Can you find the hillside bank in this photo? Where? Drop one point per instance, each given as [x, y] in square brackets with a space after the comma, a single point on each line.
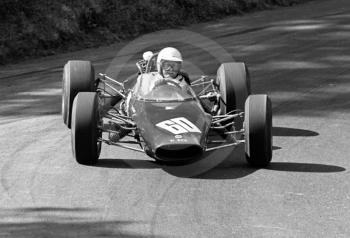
[32, 28]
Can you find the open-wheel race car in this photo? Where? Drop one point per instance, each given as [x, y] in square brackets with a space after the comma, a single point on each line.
[168, 122]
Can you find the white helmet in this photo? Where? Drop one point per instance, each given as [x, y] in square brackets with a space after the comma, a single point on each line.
[168, 53]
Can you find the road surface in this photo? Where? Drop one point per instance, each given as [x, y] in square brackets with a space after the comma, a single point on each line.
[299, 56]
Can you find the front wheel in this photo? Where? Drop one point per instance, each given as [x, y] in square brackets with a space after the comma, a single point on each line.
[258, 130]
[234, 85]
[85, 132]
[78, 76]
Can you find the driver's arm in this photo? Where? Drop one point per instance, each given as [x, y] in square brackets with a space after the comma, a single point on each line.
[159, 82]
[162, 80]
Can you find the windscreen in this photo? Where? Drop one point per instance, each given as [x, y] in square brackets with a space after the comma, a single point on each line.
[145, 89]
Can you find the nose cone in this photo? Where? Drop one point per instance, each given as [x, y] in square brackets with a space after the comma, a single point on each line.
[170, 140]
[168, 146]
[173, 131]
[181, 149]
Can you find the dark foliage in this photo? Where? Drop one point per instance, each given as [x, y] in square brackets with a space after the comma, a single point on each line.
[43, 27]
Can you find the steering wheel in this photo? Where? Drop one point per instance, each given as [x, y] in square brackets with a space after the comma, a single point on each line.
[166, 81]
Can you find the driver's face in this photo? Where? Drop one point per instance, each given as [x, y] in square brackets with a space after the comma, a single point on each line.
[171, 68]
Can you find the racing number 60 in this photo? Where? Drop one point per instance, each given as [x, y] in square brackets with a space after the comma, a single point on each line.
[178, 125]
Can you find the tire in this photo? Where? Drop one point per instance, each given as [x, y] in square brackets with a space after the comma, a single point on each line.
[85, 132]
[78, 76]
[234, 84]
[258, 130]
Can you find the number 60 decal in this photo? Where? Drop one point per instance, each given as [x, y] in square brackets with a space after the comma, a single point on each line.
[178, 125]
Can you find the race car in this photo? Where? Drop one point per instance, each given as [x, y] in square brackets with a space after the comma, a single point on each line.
[168, 122]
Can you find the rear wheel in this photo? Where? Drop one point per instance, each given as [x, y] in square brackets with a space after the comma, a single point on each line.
[85, 132]
[234, 85]
[78, 76]
[258, 130]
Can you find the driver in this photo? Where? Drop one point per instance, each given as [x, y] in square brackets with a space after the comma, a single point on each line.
[169, 63]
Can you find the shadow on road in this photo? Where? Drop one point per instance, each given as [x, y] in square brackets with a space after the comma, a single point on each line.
[232, 167]
[293, 132]
[127, 164]
[37, 222]
[304, 167]
[241, 170]
[220, 164]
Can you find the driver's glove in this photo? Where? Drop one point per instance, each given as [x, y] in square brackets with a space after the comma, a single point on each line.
[159, 82]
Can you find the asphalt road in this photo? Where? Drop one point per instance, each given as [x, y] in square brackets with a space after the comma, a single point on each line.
[300, 56]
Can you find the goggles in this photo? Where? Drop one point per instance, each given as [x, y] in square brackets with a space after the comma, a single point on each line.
[171, 65]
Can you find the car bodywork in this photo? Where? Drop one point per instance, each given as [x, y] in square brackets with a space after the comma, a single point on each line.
[169, 122]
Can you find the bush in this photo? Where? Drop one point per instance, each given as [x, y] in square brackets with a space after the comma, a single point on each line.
[41, 27]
